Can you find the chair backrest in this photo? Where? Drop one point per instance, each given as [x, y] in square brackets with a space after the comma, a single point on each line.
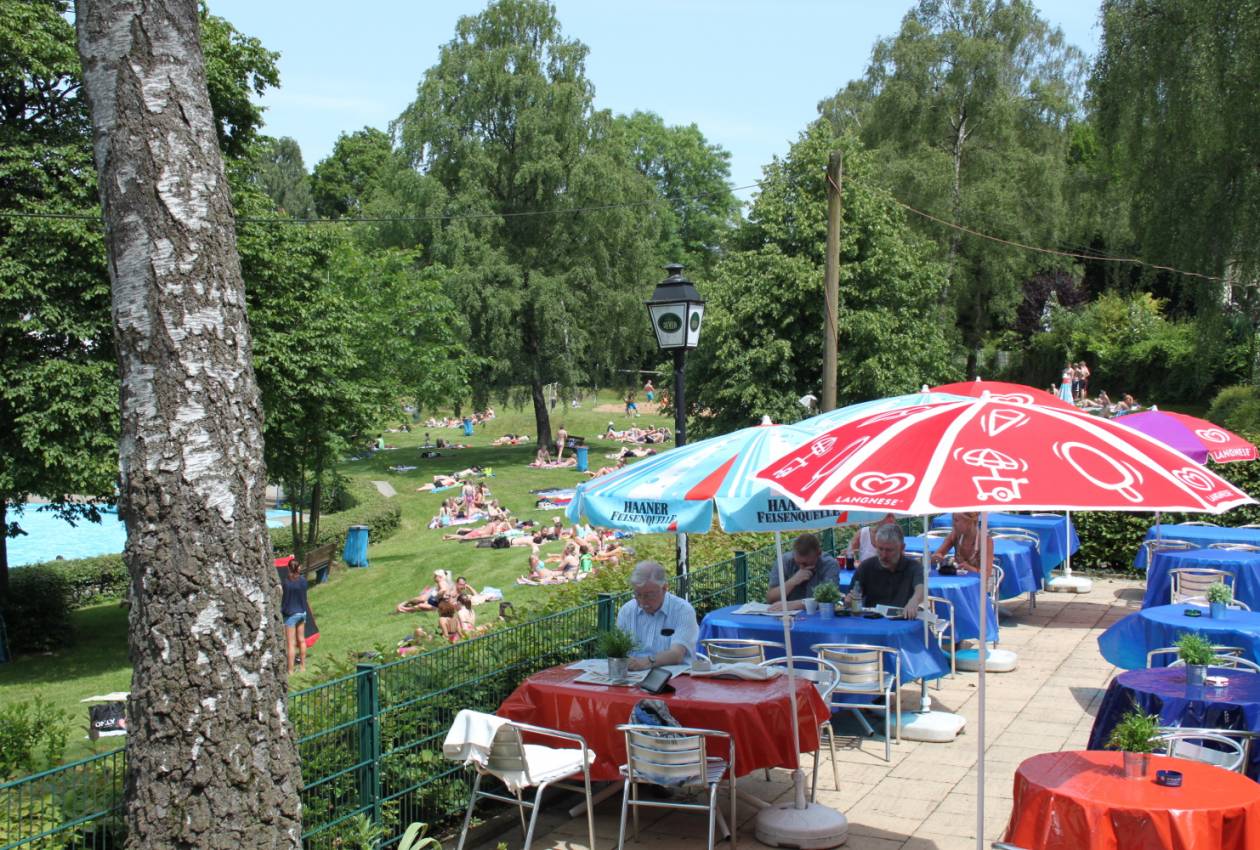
[1167, 544]
[661, 754]
[1249, 525]
[736, 650]
[1200, 522]
[1238, 605]
[937, 533]
[944, 611]
[1235, 547]
[1021, 534]
[996, 574]
[1220, 650]
[1210, 746]
[507, 753]
[824, 674]
[861, 666]
[1186, 582]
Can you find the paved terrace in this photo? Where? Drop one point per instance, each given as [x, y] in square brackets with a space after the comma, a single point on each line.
[925, 799]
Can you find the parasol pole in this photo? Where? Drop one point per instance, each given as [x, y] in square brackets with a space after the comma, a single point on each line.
[984, 651]
[798, 775]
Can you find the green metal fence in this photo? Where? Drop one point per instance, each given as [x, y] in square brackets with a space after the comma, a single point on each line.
[370, 742]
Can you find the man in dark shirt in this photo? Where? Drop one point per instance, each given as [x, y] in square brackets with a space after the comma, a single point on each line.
[804, 570]
[890, 578]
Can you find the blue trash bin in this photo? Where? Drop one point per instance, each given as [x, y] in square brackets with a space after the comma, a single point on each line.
[468, 432]
[581, 458]
[355, 554]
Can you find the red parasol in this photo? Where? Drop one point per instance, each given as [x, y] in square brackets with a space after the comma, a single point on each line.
[1004, 391]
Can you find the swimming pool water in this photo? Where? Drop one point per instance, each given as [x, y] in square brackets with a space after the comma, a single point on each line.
[47, 536]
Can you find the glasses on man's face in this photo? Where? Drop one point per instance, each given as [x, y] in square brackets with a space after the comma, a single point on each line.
[648, 593]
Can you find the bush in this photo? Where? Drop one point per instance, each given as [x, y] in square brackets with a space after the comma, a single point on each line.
[37, 611]
[32, 737]
[1237, 408]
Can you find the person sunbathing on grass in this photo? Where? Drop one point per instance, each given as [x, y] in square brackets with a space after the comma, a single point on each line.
[491, 529]
[429, 598]
[607, 470]
[439, 481]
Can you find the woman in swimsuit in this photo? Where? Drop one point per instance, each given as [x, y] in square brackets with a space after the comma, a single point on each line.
[964, 539]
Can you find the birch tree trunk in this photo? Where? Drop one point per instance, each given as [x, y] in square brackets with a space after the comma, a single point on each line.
[211, 761]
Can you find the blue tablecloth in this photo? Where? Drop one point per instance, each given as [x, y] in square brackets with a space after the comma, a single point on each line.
[1015, 558]
[906, 636]
[1200, 535]
[1163, 691]
[963, 592]
[1243, 566]
[1126, 643]
[1054, 533]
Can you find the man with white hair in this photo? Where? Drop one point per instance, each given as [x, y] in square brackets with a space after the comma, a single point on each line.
[663, 625]
[890, 578]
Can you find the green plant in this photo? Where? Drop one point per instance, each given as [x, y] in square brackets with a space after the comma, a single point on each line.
[1219, 591]
[1194, 649]
[1134, 732]
[363, 834]
[37, 610]
[32, 737]
[614, 643]
[415, 839]
[827, 593]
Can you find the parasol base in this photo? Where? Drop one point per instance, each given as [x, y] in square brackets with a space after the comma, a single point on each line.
[801, 824]
[1069, 584]
[934, 727]
[814, 827]
[995, 661]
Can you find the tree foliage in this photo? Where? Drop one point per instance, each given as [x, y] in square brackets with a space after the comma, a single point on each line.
[343, 183]
[762, 340]
[504, 122]
[279, 173]
[968, 109]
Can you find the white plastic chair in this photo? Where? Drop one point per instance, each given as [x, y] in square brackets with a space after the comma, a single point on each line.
[1219, 747]
[863, 672]
[1186, 583]
[737, 650]
[514, 762]
[675, 756]
[825, 676]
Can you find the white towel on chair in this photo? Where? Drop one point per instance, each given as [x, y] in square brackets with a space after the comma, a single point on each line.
[470, 736]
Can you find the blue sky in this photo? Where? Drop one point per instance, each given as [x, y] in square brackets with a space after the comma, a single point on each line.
[749, 74]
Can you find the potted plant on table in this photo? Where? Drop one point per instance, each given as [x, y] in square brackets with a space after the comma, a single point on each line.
[1134, 736]
[1219, 595]
[827, 595]
[1197, 653]
[616, 645]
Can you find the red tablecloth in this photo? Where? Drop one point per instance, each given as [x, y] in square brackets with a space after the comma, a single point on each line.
[1081, 801]
[757, 714]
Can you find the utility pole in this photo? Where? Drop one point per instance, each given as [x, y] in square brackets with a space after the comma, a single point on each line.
[831, 278]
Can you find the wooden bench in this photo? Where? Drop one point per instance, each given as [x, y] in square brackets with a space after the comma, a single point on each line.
[318, 560]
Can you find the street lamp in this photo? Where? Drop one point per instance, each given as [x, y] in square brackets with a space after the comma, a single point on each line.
[677, 311]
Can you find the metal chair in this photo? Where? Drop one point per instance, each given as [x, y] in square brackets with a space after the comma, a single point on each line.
[1232, 662]
[936, 533]
[1165, 544]
[1021, 534]
[1235, 547]
[825, 677]
[1002, 845]
[1249, 525]
[519, 766]
[1235, 651]
[675, 756]
[996, 574]
[1187, 583]
[944, 629]
[1210, 746]
[862, 671]
[737, 650]
[1200, 522]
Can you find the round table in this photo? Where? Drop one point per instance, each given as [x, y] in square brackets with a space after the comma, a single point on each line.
[1081, 801]
[1200, 535]
[1163, 691]
[918, 661]
[1126, 643]
[963, 592]
[1016, 558]
[756, 714]
[1243, 566]
[1057, 536]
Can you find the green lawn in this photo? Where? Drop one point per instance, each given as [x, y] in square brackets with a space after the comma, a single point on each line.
[355, 609]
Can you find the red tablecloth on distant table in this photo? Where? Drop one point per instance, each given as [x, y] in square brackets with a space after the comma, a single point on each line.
[1081, 801]
[757, 714]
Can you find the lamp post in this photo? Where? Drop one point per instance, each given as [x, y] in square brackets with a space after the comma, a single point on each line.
[677, 311]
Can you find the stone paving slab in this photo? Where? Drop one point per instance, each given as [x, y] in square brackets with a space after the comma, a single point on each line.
[925, 798]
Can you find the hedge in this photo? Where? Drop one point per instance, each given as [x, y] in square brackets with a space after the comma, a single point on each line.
[104, 577]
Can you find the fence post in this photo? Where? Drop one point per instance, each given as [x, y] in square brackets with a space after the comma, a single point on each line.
[369, 705]
[606, 616]
[741, 576]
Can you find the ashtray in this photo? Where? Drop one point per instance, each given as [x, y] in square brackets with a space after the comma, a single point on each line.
[873, 615]
[1170, 778]
[1193, 612]
[843, 612]
[1216, 681]
[947, 570]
